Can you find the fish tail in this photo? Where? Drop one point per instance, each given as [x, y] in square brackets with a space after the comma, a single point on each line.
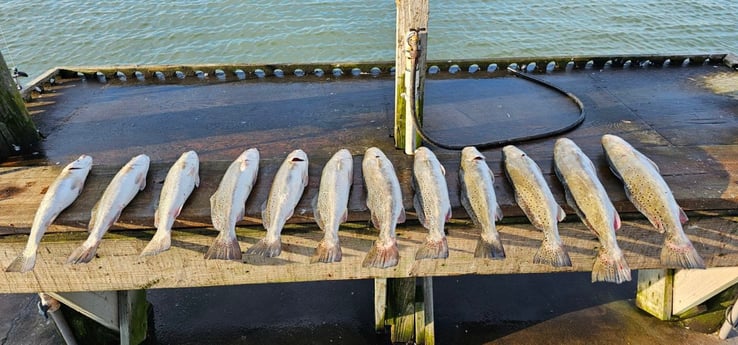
[224, 247]
[327, 252]
[382, 256]
[266, 249]
[433, 250]
[23, 263]
[610, 266]
[83, 254]
[161, 241]
[680, 253]
[489, 249]
[552, 253]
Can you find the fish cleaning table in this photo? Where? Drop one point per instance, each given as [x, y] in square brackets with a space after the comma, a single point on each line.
[684, 118]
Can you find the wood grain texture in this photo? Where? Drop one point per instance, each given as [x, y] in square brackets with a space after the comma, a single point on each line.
[118, 266]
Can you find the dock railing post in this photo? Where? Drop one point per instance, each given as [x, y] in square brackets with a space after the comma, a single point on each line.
[17, 132]
[410, 55]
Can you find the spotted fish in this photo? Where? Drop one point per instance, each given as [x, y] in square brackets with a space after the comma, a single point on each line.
[650, 194]
[586, 195]
[228, 205]
[431, 203]
[330, 205]
[480, 202]
[535, 199]
[181, 180]
[62, 193]
[287, 188]
[384, 200]
[129, 180]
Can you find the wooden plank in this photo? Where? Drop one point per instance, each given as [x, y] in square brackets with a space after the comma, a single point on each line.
[654, 292]
[428, 321]
[401, 309]
[132, 316]
[119, 267]
[712, 168]
[692, 287]
[100, 306]
[380, 304]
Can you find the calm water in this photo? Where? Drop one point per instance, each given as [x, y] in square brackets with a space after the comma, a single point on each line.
[39, 35]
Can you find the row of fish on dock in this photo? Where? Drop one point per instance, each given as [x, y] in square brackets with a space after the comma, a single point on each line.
[584, 193]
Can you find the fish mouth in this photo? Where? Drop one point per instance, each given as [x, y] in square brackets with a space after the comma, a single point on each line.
[478, 158]
[297, 159]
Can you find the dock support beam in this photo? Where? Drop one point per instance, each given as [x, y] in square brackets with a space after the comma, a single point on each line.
[405, 305]
[17, 132]
[123, 311]
[410, 55]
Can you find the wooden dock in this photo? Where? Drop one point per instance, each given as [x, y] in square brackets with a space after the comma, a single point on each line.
[670, 114]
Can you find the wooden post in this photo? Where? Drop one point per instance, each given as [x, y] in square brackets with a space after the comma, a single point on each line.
[412, 15]
[401, 309]
[655, 292]
[407, 308]
[17, 131]
[132, 316]
[380, 304]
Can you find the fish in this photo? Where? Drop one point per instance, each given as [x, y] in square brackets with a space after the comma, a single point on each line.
[431, 203]
[330, 205]
[228, 205]
[650, 194]
[181, 180]
[122, 189]
[384, 201]
[61, 193]
[480, 202]
[535, 199]
[287, 188]
[586, 195]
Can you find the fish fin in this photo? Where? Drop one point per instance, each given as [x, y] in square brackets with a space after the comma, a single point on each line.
[156, 217]
[678, 253]
[491, 174]
[266, 249]
[382, 256]
[433, 250]
[141, 181]
[265, 215]
[83, 254]
[467, 205]
[402, 217]
[304, 180]
[527, 210]
[375, 221]
[612, 166]
[93, 217]
[610, 266]
[561, 215]
[418, 204]
[683, 216]
[327, 253]
[23, 263]
[616, 222]
[344, 216]
[161, 241]
[498, 212]
[491, 249]
[197, 180]
[443, 170]
[316, 212]
[224, 248]
[448, 214]
[552, 253]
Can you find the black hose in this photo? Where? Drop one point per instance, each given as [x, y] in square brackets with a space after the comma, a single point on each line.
[516, 140]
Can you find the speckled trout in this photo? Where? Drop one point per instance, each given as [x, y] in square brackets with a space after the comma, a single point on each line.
[330, 205]
[535, 199]
[384, 200]
[586, 195]
[122, 189]
[181, 180]
[62, 193]
[648, 191]
[287, 188]
[431, 203]
[480, 202]
[228, 205]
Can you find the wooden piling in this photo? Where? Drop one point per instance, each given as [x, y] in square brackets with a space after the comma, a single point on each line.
[411, 15]
[17, 131]
[654, 293]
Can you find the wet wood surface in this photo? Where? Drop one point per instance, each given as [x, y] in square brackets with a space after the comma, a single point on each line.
[689, 131]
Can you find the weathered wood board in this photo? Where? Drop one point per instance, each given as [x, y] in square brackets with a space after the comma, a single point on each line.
[118, 266]
[21, 188]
